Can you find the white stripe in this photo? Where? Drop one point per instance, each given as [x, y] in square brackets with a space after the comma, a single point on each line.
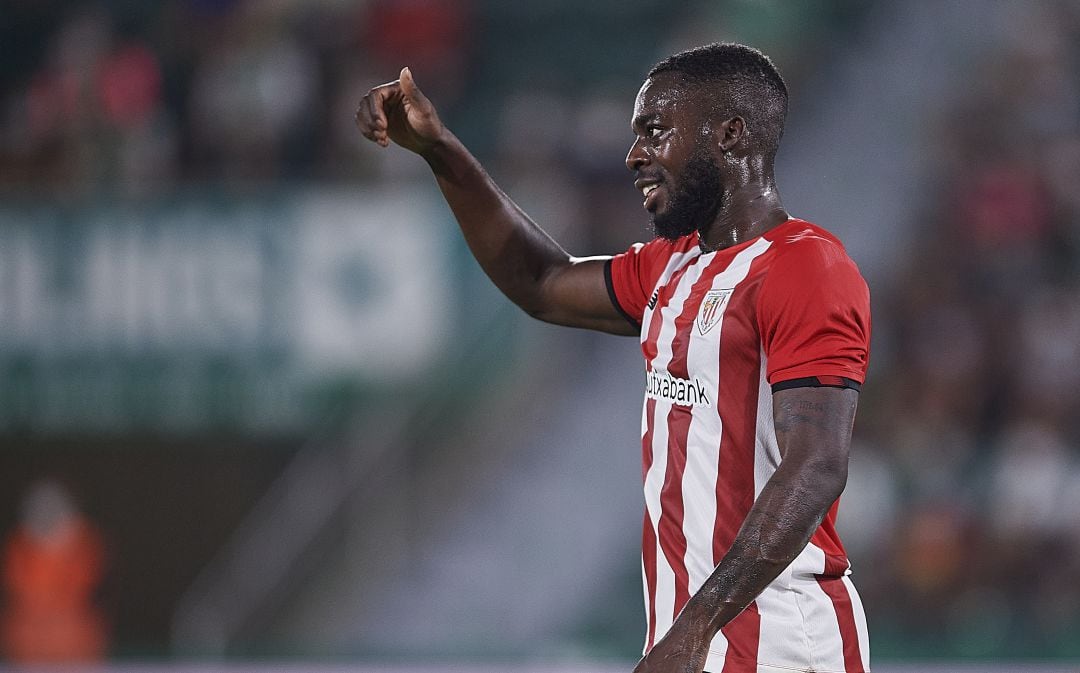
[699, 498]
[809, 562]
[664, 599]
[784, 633]
[783, 639]
[706, 426]
[714, 660]
[648, 600]
[767, 448]
[676, 262]
[703, 442]
[668, 314]
[654, 480]
[820, 621]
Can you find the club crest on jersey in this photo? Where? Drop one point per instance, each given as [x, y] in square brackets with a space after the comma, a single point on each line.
[712, 307]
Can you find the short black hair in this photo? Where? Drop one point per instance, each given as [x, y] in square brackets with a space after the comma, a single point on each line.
[753, 87]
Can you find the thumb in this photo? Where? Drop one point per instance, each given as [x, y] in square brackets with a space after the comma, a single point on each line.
[409, 88]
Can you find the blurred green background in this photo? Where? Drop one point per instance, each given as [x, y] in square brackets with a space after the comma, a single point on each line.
[246, 356]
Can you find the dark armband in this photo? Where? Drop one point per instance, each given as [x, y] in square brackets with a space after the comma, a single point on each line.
[614, 299]
[817, 382]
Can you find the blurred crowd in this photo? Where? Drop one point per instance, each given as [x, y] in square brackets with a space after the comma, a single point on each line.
[136, 97]
[969, 435]
[967, 465]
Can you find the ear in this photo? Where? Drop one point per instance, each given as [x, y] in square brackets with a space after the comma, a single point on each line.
[731, 131]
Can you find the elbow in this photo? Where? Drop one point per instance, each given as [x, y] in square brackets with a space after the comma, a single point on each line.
[822, 477]
[832, 479]
[537, 311]
[528, 297]
[533, 298]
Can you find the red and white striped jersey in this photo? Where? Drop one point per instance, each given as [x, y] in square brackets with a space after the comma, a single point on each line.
[718, 331]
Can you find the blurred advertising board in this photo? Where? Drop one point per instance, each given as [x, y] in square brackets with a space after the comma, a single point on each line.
[205, 312]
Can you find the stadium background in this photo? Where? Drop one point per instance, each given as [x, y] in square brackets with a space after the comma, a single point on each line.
[257, 356]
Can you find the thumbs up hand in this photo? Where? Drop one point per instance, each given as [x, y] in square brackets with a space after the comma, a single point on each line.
[400, 112]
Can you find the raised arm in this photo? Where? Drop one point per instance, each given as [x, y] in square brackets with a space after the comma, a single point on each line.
[813, 430]
[526, 264]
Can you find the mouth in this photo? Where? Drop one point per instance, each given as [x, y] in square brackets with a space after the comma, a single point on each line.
[650, 193]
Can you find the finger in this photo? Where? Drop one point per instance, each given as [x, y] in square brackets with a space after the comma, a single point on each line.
[378, 119]
[364, 120]
[371, 113]
[377, 101]
[409, 89]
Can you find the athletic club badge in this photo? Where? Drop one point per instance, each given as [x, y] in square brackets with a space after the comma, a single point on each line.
[712, 307]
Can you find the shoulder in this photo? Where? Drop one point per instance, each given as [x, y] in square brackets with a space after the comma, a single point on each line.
[655, 255]
[803, 246]
[633, 275]
[662, 247]
[810, 265]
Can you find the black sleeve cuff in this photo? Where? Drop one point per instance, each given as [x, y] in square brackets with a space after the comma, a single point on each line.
[615, 300]
[817, 382]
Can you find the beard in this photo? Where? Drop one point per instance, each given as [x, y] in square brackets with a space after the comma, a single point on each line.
[695, 203]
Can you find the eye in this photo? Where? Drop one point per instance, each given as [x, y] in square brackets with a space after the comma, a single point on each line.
[654, 131]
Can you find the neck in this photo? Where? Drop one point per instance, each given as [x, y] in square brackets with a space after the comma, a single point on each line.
[745, 213]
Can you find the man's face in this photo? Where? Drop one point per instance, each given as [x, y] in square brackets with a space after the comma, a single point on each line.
[677, 172]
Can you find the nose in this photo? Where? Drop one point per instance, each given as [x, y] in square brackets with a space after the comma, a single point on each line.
[637, 157]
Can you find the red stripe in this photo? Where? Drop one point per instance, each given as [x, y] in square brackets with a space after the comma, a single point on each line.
[648, 536]
[648, 561]
[845, 618]
[835, 566]
[672, 537]
[739, 381]
[743, 634]
[648, 346]
[647, 438]
[737, 403]
[826, 538]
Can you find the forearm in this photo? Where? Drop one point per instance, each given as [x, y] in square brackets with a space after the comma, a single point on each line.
[512, 250]
[778, 527]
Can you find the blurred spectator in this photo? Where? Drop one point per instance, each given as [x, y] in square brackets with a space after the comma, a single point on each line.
[431, 36]
[52, 565]
[92, 115]
[1033, 472]
[253, 98]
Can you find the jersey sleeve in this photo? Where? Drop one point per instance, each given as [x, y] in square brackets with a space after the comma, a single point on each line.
[814, 316]
[632, 276]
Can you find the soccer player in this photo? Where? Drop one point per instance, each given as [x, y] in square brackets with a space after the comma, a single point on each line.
[755, 328]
